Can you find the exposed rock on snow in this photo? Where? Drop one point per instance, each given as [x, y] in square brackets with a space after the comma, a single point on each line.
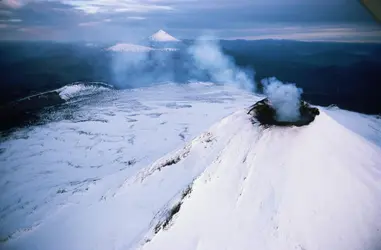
[169, 215]
[265, 114]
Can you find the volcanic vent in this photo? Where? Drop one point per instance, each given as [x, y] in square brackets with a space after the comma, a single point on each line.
[283, 105]
[264, 113]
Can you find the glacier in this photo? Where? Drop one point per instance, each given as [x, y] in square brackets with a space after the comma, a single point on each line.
[183, 167]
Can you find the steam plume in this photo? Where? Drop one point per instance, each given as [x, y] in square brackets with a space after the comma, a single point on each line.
[208, 56]
[142, 69]
[284, 98]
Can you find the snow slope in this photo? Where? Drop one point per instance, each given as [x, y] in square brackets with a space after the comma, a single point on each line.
[162, 36]
[63, 183]
[314, 187]
[101, 177]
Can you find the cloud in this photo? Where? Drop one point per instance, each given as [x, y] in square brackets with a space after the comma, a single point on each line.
[136, 17]
[13, 4]
[94, 23]
[37, 31]
[349, 33]
[118, 6]
[87, 24]
[5, 13]
[119, 19]
[12, 20]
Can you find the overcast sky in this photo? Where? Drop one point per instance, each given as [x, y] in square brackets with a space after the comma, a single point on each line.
[127, 20]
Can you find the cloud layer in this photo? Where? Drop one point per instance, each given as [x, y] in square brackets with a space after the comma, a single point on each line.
[127, 19]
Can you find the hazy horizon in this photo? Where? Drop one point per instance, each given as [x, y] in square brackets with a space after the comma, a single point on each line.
[131, 20]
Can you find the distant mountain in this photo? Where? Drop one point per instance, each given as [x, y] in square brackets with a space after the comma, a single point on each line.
[162, 36]
[160, 41]
[128, 47]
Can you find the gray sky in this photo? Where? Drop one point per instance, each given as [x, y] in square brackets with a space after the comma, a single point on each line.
[128, 20]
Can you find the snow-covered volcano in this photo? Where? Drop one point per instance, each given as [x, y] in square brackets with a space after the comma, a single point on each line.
[316, 187]
[146, 168]
[162, 36]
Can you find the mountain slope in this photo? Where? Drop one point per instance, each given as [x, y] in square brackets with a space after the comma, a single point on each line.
[100, 176]
[77, 179]
[314, 187]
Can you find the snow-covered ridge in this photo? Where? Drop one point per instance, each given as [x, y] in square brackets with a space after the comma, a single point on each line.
[59, 96]
[162, 36]
[81, 89]
[127, 47]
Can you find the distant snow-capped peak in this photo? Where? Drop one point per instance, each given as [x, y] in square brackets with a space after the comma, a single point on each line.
[128, 47]
[162, 36]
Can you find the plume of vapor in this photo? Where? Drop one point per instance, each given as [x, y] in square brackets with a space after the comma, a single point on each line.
[132, 70]
[209, 57]
[202, 61]
[125, 68]
[284, 97]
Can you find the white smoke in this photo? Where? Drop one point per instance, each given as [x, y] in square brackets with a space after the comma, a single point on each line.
[209, 57]
[140, 69]
[126, 68]
[284, 98]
